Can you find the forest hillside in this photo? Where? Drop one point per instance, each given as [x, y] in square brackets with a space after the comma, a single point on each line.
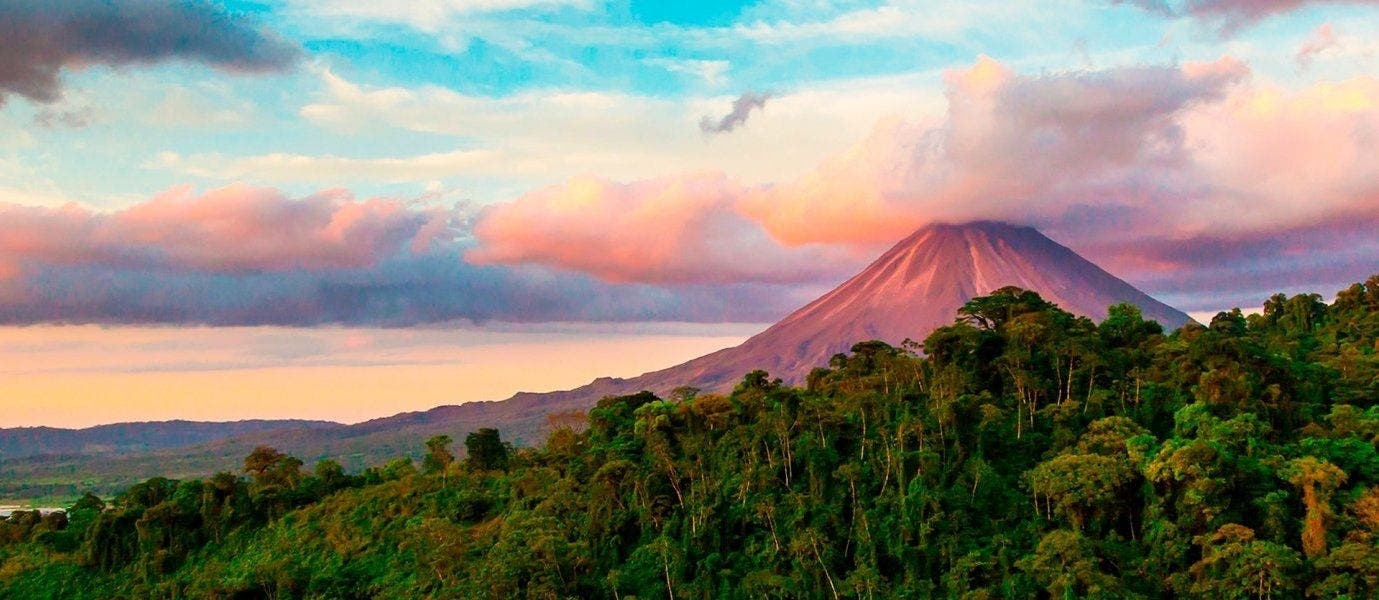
[1021, 451]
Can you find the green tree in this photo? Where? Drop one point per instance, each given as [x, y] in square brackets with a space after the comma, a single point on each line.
[438, 456]
[1067, 565]
[486, 450]
[1236, 565]
[1318, 480]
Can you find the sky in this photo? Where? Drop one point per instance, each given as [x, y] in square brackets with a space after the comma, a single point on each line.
[346, 208]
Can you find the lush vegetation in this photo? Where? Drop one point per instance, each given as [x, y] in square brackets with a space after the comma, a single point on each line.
[1024, 452]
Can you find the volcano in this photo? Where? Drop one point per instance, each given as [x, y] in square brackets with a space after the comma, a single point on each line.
[916, 287]
[912, 289]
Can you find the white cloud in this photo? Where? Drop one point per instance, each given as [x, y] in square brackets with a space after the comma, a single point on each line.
[711, 72]
[201, 105]
[20, 184]
[429, 16]
[542, 137]
[325, 169]
[32, 197]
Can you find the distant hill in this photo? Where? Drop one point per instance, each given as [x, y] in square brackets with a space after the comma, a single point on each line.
[912, 289]
[23, 442]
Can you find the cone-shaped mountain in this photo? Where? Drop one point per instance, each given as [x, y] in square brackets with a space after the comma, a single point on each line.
[915, 287]
[912, 289]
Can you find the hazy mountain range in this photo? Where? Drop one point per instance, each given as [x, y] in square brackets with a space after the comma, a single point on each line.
[135, 437]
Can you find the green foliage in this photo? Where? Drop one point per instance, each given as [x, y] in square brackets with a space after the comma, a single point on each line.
[438, 456]
[1027, 453]
[486, 450]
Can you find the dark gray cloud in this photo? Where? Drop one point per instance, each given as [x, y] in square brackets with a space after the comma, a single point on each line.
[41, 38]
[742, 108]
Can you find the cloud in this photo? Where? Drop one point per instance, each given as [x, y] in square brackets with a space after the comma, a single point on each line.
[544, 136]
[1230, 16]
[1272, 156]
[1233, 15]
[401, 291]
[1113, 163]
[75, 118]
[673, 230]
[1011, 146]
[405, 290]
[1323, 39]
[429, 16]
[236, 229]
[737, 117]
[890, 21]
[253, 256]
[1164, 174]
[1161, 174]
[1242, 268]
[1160, 7]
[711, 72]
[284, 167]
[44, 38]
[1270, 187]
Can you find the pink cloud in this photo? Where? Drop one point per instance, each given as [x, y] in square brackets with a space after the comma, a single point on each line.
[1230, 16]
[672, 230]
[1271, 156]
[61, 235]
[1196, 159]
[1233, 15]
[1280, 185]
[1322, 40]
[227, 230]
[1013, 147]
[252, 256]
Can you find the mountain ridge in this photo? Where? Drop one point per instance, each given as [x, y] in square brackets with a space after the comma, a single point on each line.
[20, 442]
